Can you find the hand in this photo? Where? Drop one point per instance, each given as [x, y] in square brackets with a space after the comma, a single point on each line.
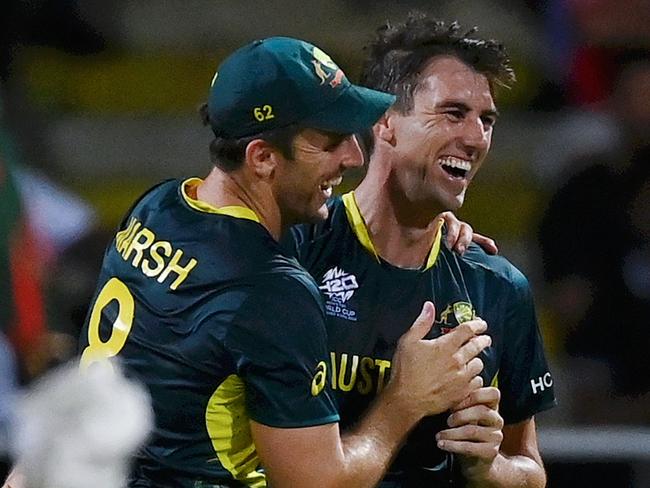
[460, 234]
[430, 376]
[475, 432]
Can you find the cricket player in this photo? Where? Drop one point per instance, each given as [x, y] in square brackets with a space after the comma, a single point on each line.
[378, 256]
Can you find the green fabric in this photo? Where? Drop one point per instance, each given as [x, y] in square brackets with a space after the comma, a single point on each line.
[279, 81]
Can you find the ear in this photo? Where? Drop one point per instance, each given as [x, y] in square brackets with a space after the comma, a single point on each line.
[262, 158]
[383, 128]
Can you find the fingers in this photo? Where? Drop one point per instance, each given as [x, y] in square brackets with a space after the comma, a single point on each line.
[422, 324]
[459, 234]
[482, 450]
[464, 238]
[465, 331]
[488, 396]
[472, 433]
[488, 245]
[481, 415]
[452, 225]
[475, 431]
[476, 381]
[473, 347]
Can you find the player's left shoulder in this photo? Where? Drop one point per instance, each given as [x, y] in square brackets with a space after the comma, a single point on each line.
[496, 266]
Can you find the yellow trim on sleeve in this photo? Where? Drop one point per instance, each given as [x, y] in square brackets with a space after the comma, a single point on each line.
[495, 380]
[229, 429]
[231, 210]
[360, 229]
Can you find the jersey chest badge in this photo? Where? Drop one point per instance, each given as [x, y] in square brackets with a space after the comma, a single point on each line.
[337, 288]
[455, 314]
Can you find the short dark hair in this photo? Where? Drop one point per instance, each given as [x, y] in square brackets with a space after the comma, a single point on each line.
[228, 153]
[399, 53]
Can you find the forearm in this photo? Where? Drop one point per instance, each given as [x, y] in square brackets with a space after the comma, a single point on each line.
[508, 472]
[322, 456]
[370, 447]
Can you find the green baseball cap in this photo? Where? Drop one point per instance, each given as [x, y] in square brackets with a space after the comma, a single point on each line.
[279, 81]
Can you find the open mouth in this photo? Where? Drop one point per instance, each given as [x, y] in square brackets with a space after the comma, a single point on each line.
[327, 186]
[455, 167]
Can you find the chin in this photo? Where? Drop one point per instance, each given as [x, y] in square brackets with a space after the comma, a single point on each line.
[438, 204]
[455, 202]
[322, 213]
[317, 215]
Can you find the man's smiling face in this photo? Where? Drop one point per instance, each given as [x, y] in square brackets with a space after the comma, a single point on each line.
[442, 142]
[304, 183]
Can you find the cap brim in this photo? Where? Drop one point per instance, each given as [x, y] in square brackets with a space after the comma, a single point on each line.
[355, 110]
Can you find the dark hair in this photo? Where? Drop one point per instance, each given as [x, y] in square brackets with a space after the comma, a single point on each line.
[228, 153]
[399, 53]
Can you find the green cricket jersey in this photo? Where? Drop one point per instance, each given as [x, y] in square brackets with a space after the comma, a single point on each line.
[369, 304]
[201, 306]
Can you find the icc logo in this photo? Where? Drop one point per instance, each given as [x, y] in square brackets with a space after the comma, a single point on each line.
[338, 285]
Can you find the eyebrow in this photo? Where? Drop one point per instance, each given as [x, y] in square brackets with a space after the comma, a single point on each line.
[466, 108]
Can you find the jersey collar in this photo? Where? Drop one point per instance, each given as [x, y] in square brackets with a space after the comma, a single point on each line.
[360, 229]
[231, 210]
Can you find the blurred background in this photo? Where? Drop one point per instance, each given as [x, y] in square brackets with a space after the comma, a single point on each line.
[98, 101]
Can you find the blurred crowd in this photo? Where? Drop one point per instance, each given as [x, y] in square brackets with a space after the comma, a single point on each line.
[590, 262]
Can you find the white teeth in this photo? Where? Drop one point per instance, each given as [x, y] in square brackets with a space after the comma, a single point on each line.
[333, 182]
[456, 163]
[327, 191]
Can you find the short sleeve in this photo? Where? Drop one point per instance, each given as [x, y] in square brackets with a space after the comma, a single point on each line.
[524, 379]
[278, 342]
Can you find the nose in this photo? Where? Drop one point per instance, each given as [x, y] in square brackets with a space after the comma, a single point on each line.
[351, 154]
[477, 135]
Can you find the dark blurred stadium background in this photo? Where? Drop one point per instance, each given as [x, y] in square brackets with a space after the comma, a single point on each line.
[99, 102]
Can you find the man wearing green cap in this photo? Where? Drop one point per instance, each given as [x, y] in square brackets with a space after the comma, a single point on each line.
[197, 301]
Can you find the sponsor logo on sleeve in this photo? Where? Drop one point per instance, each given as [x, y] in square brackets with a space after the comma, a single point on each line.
[541, 383]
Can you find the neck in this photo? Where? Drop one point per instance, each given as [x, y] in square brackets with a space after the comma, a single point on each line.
[236, 188]
[401, 231]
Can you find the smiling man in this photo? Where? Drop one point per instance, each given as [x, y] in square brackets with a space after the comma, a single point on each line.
[444, 138]
[379, 255]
